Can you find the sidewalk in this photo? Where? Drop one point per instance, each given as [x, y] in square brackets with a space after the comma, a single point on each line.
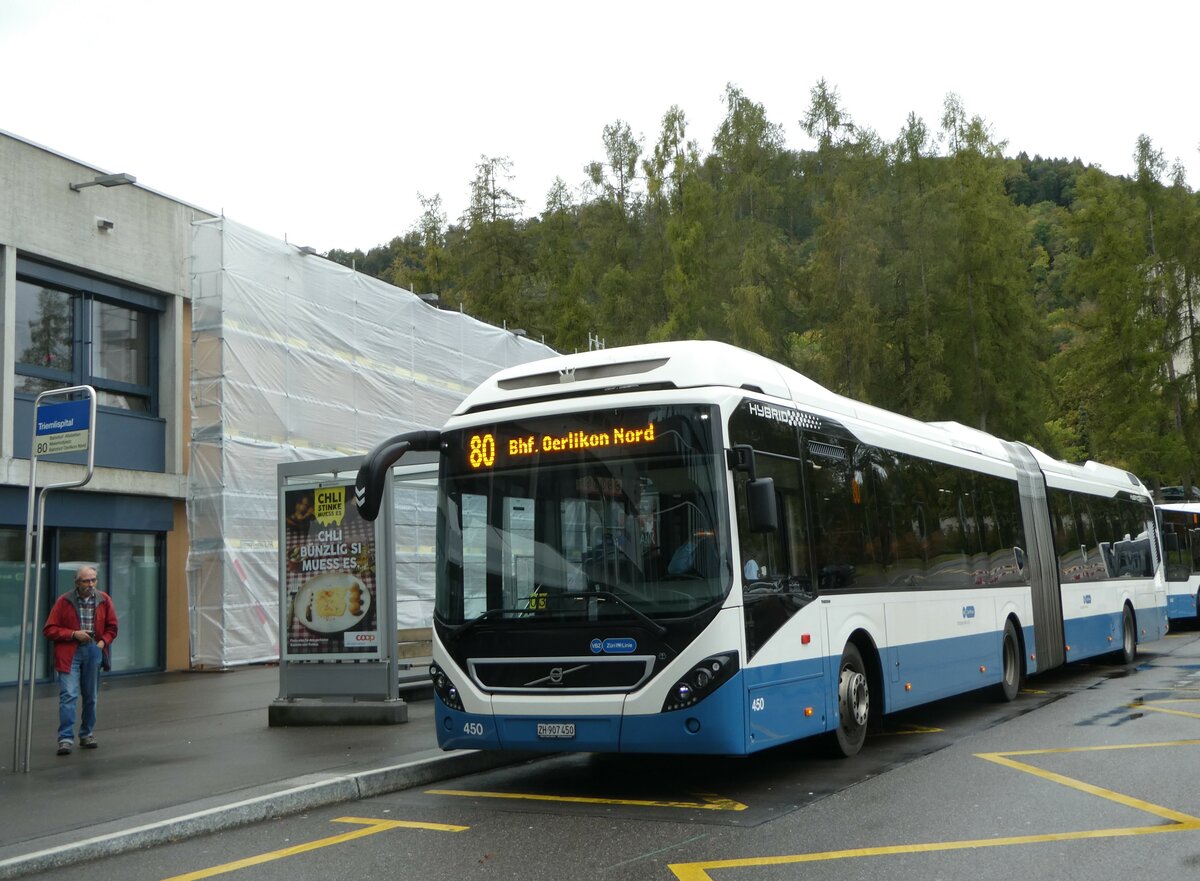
[184, 754]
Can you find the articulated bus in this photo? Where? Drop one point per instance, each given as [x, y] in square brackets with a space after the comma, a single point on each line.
[688, 548]
[1179, 524]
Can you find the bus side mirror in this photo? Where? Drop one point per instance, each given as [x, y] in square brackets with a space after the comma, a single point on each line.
[760, 499]
[760, 491]
[377, 465]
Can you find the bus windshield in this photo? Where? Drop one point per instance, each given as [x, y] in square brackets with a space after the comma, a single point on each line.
[602, 515]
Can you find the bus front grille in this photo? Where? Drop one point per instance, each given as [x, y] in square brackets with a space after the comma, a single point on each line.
[583, 674]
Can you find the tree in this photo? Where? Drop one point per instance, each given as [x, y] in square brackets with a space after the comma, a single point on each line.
[561, 283]
[610, 224]
[1111, 372]
[673, 161]
[839, 340]
[670, 161]
[614, 179]
[424, 265]
[998, 335]
[492, 256]
[825, 120]
[748, 146]
[1169, 229]
[692, 310]
[752, 266]
[913, 366]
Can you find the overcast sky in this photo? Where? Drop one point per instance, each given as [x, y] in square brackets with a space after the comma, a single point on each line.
[322, 121]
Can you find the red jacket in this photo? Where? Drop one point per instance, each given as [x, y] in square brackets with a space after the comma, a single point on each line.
[64, 621]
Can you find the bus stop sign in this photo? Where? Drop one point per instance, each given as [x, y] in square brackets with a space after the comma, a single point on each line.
[61, 428]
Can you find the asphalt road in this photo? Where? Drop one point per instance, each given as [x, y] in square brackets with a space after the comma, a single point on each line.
[1091, 774]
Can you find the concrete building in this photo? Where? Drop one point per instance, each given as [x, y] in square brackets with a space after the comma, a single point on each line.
[209, 346]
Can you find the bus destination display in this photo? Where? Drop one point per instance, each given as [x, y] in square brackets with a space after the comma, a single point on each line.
[492, 449]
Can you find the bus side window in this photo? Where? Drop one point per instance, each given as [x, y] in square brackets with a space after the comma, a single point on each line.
[839, 521]
[948, 560]
[1175, 546]
[782, 552]
[1073, 555]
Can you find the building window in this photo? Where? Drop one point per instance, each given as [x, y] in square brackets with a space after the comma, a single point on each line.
[130, 567]
[66, 338]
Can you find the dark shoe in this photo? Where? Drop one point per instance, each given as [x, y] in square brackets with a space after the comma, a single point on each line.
[88, 742]
[64, 747]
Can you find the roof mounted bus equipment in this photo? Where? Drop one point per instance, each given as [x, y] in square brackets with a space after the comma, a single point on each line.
[368, 485]
[760, 491]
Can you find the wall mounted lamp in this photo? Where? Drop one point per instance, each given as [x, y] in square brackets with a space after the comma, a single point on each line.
[106, 180]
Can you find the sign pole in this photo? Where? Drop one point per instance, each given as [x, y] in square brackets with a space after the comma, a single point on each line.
[64, 427]
[26, 620]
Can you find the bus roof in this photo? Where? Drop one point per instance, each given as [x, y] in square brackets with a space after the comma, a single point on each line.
[1186, 507]
[685, 364]
[707, 363]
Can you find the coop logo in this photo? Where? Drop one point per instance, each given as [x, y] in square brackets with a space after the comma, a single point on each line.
[359, 640]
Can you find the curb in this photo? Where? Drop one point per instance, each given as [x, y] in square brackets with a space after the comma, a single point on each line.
[241, 808]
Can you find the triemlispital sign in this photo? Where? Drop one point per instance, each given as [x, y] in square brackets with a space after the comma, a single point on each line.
[61, 428]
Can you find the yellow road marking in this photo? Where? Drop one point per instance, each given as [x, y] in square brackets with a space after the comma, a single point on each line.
[1154, 706]
[371, 827]
[909, 729]
[1033, 691]
[1127, 800]
[711, 802]
[1179, 822]
[699, 871]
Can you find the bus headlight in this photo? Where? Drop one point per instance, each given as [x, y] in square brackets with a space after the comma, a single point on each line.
[445, 689]
[701, 681]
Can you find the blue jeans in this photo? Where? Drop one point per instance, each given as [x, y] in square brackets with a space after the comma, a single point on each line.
[84, 679]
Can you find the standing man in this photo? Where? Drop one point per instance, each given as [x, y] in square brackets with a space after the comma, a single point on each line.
[82, 625]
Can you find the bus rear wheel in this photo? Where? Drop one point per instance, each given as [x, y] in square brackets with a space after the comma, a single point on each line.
[1128, 650]
[854, 703]
[1011, 667]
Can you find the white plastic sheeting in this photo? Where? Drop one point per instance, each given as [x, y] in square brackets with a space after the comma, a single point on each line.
[296, 358]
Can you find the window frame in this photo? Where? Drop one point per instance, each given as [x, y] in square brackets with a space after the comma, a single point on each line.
[83, 293]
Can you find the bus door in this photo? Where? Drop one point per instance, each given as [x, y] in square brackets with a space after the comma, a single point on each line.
[1041, 564]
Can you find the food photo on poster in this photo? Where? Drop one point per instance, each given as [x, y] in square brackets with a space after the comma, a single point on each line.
[331, 589]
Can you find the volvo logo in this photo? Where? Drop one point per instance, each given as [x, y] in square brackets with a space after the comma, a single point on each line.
[555, 676]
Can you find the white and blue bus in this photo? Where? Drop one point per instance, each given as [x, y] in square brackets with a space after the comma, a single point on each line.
[1179, 524]
[688, 548]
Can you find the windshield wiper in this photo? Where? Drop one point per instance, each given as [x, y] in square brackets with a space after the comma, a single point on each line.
[638, 613]
[479, 619]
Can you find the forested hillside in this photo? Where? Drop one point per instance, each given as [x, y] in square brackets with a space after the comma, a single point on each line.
[1039, 299]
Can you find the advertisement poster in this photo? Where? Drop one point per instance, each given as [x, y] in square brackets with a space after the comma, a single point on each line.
[330, 597]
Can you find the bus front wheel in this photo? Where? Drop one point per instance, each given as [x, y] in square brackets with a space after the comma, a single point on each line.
[854, 703]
